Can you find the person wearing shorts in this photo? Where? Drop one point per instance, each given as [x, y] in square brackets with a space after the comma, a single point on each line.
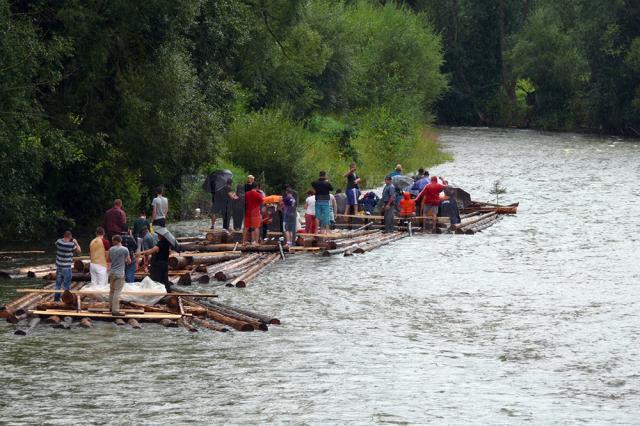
[431, 201]
[252, 219]
[323, 188]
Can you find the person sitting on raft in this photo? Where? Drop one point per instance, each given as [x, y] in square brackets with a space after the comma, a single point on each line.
[407, 206]
[430, 197]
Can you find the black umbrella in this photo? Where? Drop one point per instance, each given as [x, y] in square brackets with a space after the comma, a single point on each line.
[216, 180]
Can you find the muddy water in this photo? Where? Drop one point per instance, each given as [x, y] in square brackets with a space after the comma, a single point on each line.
[535, 320]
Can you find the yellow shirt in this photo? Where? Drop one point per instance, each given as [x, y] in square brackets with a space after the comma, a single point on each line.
[97, 252]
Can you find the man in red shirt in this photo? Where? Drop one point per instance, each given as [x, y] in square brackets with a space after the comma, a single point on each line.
[252, 220]
[430, 197]
[114, 219]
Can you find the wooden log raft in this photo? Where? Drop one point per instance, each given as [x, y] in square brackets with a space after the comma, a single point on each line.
[223, 319]
[382, 241]
[252, 272]
[184, 260]
[264, 318]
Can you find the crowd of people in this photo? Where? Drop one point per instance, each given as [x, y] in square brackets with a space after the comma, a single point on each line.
[402, 196]
[118, 251]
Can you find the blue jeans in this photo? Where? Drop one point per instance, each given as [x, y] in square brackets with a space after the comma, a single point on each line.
[130, 272]
[62, 274]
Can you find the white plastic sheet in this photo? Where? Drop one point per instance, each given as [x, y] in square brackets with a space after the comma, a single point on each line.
[146, 285]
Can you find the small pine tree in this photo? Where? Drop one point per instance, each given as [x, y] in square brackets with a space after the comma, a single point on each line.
[498, 190]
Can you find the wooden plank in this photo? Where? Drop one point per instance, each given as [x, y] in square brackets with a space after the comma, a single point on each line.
[294, 249]
[22, 252]
[124, 293]
[150, 315]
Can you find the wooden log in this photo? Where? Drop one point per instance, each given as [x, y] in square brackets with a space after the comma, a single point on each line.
[184, 324]
[53, 319]
[107, 315]
[81, 265]
[477, 227]
[223, 319]
[181, 262]
[33, 322]
[202, 247]
[465, 223]
[65, 324]
[85, 322]
[219, 272]
[169, 323]
[381, 242]
[134, 323]
[185, 279]
[189, 239]
[232, 274]
[257, 324]
[252, 272]
[264, 318]
[208, 324]
[218, 236]
[120, 322]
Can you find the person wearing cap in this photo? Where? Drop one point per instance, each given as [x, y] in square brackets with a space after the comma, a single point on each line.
[397, 171]
[159, 267]
[388, 204]
[249, 184]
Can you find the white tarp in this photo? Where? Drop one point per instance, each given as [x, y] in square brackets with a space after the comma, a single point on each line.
[146, 285]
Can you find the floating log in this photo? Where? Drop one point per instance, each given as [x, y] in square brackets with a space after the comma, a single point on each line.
[134, 323]
[465, 223]
[33, 322]
[256, 323]
[208, 324]
[479, 226]
[252, 272]
[379, 243]
[86, 322]
[120, 322]
[168, 323]
[184, 324]
[53, 319]
[223, 319]
[264, 318]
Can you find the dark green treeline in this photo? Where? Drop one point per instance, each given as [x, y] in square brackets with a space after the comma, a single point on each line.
[110, 98]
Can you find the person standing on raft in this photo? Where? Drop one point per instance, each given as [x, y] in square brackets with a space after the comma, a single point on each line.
[430, 197]
[65, 247]
[114, 219]
[160, 208]
[119, 257]
[252, 219]
[323, 188]
[352, 191]
[388, 200]
[159, 267]
[98, 254]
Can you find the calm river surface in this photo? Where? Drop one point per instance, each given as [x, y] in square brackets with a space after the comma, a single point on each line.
[535, 320]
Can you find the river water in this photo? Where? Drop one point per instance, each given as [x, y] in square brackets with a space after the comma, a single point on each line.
[535, 320]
